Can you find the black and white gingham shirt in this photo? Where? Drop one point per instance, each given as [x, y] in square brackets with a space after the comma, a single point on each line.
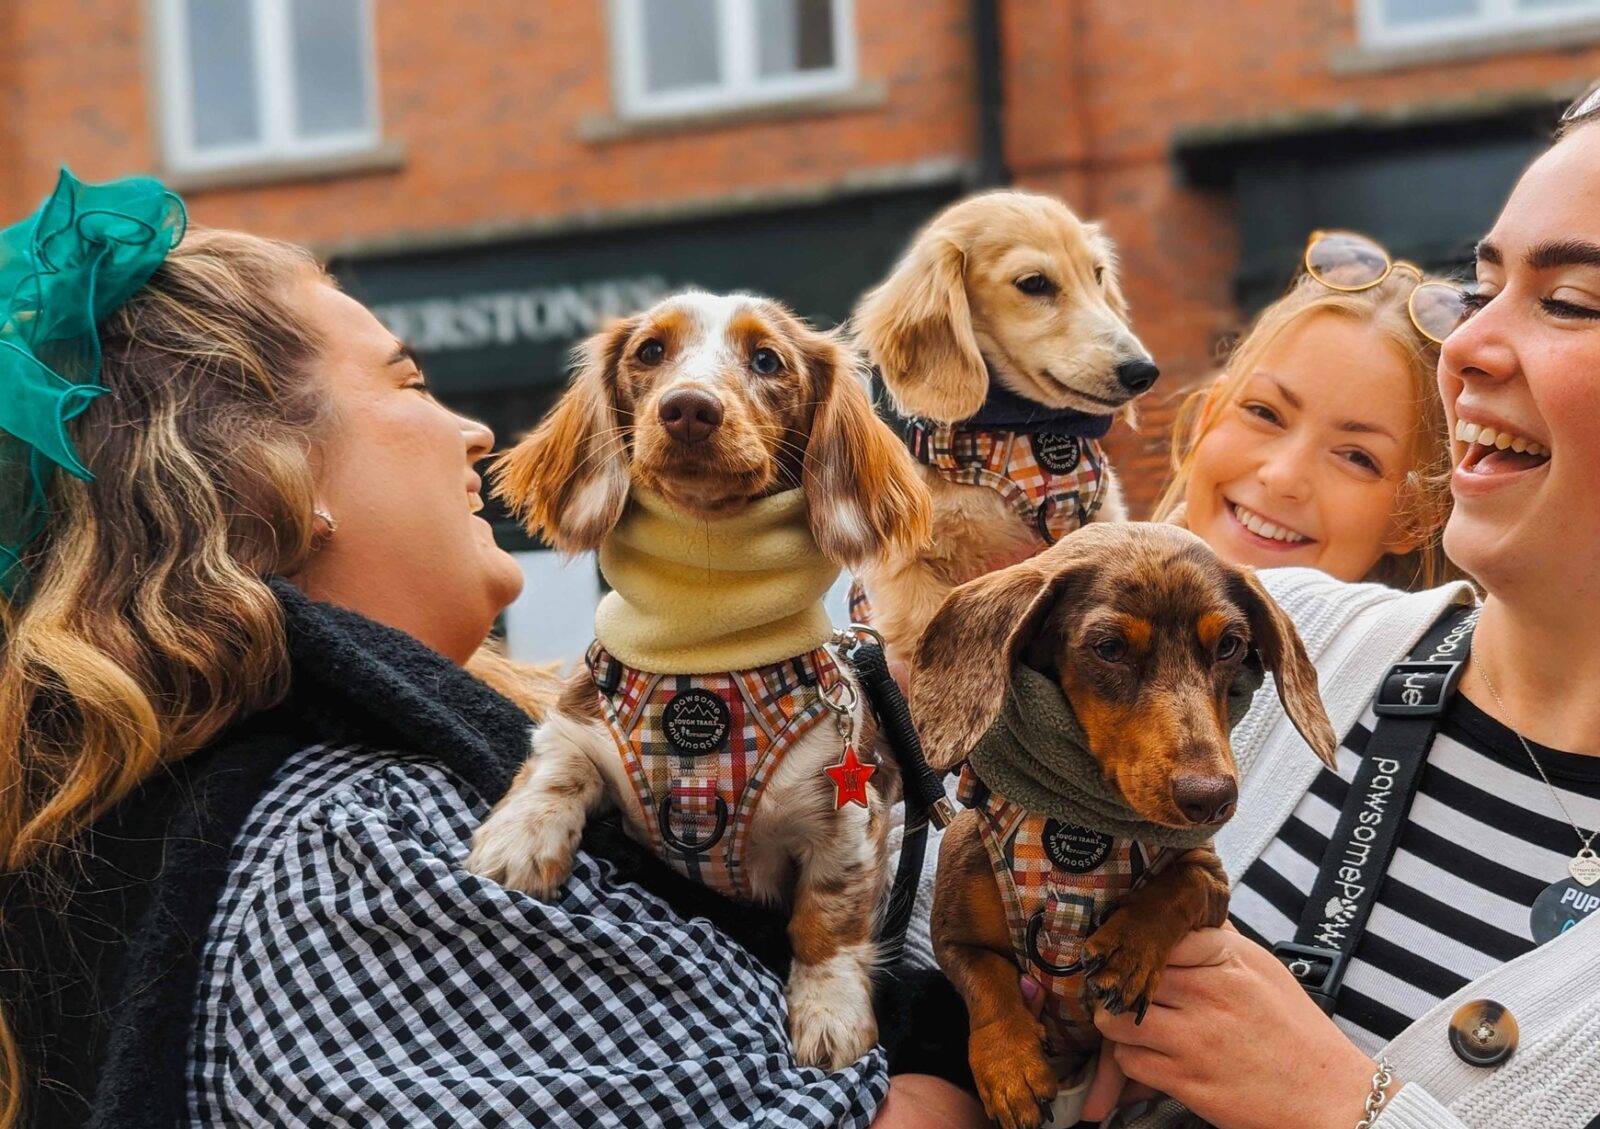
[355, 974]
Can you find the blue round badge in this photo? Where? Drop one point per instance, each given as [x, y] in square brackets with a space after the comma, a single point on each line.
[1562, 905]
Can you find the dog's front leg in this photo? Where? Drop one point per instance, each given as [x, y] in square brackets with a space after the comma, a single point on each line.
[528, 841]
[1124, 958]
[972, 943]
[840, 881]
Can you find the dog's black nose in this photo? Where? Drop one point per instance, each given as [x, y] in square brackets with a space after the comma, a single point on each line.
[1205, 799]
[689, 415]
[1137, 376]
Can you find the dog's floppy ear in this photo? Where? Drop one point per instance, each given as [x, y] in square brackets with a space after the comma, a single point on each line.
[916, 326]
[964, 658]
[1105, 252]
[1277, 644]
[1111, 281]
[569, 479]
[865, 499]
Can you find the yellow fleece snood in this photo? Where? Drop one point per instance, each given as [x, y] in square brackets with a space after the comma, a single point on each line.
[692, 596]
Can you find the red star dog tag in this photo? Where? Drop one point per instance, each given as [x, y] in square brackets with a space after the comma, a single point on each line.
[850, 776]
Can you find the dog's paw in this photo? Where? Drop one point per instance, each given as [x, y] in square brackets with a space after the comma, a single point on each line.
[522, 851]
[831, 1023]
[1014, 1080]
[1122, 964]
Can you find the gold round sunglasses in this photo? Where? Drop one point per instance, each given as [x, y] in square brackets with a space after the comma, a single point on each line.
[1349, 262]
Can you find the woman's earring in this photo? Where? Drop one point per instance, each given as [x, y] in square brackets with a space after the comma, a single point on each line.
[327, 519]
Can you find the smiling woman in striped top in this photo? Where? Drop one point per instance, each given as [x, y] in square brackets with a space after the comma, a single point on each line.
[1460, 975]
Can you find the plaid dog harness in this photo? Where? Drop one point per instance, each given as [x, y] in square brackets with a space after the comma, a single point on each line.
[1055, 483]
[700, 749]
[1058, 882]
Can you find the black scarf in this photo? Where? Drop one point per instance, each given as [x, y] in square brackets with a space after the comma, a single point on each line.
[101, 963]
[1004, 410]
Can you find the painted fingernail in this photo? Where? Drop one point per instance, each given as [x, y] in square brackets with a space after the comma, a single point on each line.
[1030, 990]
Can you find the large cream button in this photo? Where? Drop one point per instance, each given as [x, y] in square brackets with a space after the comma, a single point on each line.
[1483, 1033]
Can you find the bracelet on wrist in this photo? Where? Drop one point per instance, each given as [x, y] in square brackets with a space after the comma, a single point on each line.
[1379, 1094]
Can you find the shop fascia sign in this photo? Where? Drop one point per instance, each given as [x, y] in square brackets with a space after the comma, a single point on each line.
[500, 318]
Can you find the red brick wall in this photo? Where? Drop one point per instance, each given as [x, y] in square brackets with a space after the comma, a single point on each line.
[1096, 89]
[486, 97]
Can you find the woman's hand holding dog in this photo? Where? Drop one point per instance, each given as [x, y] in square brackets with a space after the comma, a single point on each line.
[1232, 1035]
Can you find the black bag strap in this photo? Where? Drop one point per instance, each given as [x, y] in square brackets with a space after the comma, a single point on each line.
[1410, 701]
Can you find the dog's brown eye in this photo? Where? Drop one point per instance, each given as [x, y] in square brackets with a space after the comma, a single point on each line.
[1099, 275]
[651, 352]
[1035, 284]
[1228, 647]
[766, 362]
[1111, 650]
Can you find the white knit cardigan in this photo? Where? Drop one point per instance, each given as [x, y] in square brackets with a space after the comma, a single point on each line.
[1353, 633]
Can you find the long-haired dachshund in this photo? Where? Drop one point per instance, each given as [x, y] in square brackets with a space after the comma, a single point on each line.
[1004, 335]
[1144, 630]
[725, 460]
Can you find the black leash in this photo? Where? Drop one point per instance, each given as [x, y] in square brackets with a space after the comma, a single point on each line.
[862, 648]
[1410, 703]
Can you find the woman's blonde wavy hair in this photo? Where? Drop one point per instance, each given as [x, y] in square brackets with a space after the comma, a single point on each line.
[147, 627]
[1424, 497]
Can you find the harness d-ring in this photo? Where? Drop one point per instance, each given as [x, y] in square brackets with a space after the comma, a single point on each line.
[1041, 519]
[677, 844]
[1047, 510]
[1035, 925]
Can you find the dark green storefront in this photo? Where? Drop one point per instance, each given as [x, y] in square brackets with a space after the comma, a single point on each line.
[1426, 181]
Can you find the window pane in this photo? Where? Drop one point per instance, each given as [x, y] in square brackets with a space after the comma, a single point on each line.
[679, 43]
[222, 73]
[1406, 13]
[1560, 5]
[794, 36]
[330, 67]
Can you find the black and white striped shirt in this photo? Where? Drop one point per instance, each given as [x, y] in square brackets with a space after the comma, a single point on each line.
[356, 974]
[1484, 838]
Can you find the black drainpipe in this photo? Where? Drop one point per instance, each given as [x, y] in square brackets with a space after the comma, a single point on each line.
[991, 171]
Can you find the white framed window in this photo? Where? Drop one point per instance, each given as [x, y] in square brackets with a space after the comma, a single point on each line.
[1404, 23]
[684, 56]
[251, 81]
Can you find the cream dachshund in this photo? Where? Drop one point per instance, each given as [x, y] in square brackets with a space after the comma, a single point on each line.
[1003, 336]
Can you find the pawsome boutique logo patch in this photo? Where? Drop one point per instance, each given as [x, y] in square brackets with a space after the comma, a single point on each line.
[1077, 850]
[696, 721]
[1058, 454]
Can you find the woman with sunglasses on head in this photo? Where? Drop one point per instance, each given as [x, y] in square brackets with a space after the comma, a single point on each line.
[244, 591]
[1415, 938]
[1322, 443]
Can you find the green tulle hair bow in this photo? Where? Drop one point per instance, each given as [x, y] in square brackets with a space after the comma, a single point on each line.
[86, 251]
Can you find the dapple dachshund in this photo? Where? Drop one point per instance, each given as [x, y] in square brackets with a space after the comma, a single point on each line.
[687, 425]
